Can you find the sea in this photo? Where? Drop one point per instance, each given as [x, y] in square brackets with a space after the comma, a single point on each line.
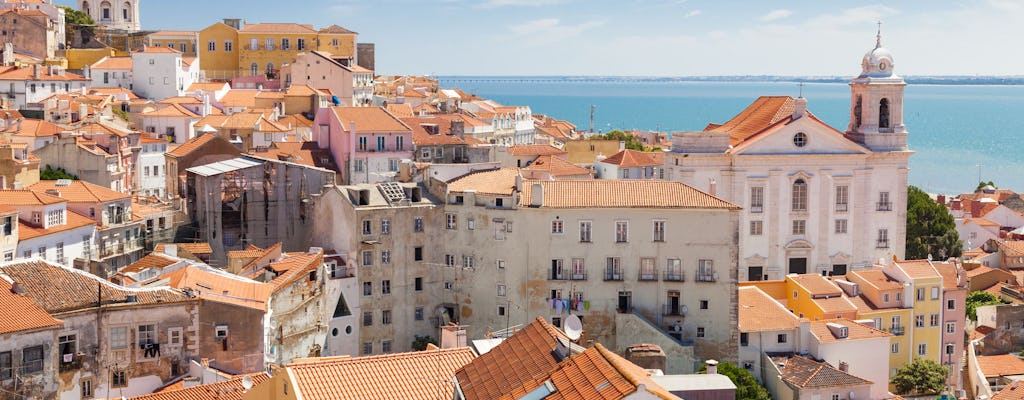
[961, 133]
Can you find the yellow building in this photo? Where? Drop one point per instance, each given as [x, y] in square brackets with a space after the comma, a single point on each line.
[266, 46]
[218, 51]
[184, 41]
[880, 298]
[925, 297]
[338, 41]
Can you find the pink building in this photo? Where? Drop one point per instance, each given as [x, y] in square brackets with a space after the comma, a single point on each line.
[954, 318]
[367, 143]
[352, 84]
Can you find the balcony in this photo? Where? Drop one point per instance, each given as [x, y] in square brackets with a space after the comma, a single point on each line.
[842, 207]
[70, 362]
[882, 244]
[756, 209]
[673, 276]
[883, 206]
[343, 272]
[558, 276]
[613, 275]
[897, 330]
[672, 310]
[706, 277]
[578, 276]
[647, 276]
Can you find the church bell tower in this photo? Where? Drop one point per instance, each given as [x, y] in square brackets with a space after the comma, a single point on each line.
[876, 102]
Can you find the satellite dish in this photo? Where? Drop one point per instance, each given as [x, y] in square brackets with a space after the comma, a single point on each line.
[247, 382]
[573, 327]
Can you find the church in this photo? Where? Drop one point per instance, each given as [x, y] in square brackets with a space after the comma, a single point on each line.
[815, 199]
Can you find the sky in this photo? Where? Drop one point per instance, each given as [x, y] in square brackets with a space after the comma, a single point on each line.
[644, 37]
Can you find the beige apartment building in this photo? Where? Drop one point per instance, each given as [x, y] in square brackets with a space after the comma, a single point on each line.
[622, 255]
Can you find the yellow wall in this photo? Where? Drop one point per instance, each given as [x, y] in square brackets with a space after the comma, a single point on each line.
[903, 356]
[273, 389]
[261, 55]
[78, 58]
[930, 335]
[218, 64]
[346, 47]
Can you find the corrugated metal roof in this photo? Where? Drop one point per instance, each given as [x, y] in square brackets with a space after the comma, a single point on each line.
[221, 167]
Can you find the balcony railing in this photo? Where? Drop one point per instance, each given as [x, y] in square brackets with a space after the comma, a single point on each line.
[672, 310]
[897, 330]
[558, 276]
[756, 209]
[613, 275]
[673, 276]
[70, 362]
[882, 244]
[578, 276]
[884, 206]
[647, 276]
[842, 207]
[709, 277]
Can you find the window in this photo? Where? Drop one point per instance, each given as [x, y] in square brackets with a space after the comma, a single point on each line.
[418, 284]
[6, 365]
[147, 334]
[385, 317]
[418, 314]
[800, 139]
[883, 240]
[362, 143]
[744, 340]
[367, 288]
[757, 199]
[501, 311]
[228, 45]
[499, 202]
[700, 331]
[385, 257]
[703, 304]
[950, 304]
[659, 231]
[625, 173]
[301, 43]
[782, 337]
[933, 320]
[674, 270]
[367, 349]
[285, 44]
[118, 379]
[174, 336]
[467, 262]
[883, 202]
[367, 257]
[840, 226]
[647, 271]
[919, 321]
[501, 290]
[417, 253]
[334, 42]
[119, 338]
[585, 231]
[471, 224]
[885, 297]
[935, 293]
[842, 198]
[613, 269]
[756, 228]
[385, 287]
[385, 226]
[417, 224]
[449, 285]
[449, 260]
[621, 231]
[922, 349]
[32, 359]
[579, 269]
[68, 347]
[556, 227]
[367, 318]
[211, 46]
[42, 251]
[705, 271]
[883, 114]
[501, 264]
[385, 346]
[86, 385]
[949, 348]
[799, 195]
[451, 221]
[895, 348]
[920, 294]
[269, 43]
[950, 327]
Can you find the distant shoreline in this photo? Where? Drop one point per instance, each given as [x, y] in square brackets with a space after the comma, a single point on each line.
[919, 80]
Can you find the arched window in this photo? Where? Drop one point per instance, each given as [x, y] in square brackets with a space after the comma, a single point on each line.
[856, 112]
[883, 113]
[270, 69]
[85, 8]
[126, 11]
[105, 11]
[799, 195]
[254, 69]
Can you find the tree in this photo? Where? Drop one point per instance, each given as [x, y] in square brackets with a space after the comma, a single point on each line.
[50, 174]
[978, 299]
[921, 376]
[746, 385]
[632, 143]
[983, 184]
[79, 20]
[421, 342]
[930, 228]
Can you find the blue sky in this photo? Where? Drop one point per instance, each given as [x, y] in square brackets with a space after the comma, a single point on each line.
[644, 37]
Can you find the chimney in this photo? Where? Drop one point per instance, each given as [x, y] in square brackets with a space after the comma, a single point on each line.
[206, 104]
[83, 111]
[53, 192]
[519, 183]
[8, 54]
[799, 107]
[712, 367]
[171, 249]
[86, 72]
[537, 195]
[712, 187]
[844, 366]
[458, 128]
[36, 71]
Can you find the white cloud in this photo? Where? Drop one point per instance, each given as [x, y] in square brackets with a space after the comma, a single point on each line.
[854, 16]
[693, 13]
[548, 30]
[776, 14]
[520, 3]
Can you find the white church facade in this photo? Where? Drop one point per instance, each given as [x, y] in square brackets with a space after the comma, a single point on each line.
[815, 199]
[113, 14]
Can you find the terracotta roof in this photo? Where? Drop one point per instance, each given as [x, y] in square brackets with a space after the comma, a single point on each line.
[759, 312]
[157, 50]
[151, 260]
[294, 267]
[875, 277]
[369, 119]
[414, 375]
[220, 286]
[207, 86]
[422, 137]
[304, 153]
[173, 110]
[35, 128]
[79, 191]
[1012, 248]
[581, 376]
[632, 158]
[295, 120]
[949, 274]
[816, 284]
[495, 181]
[268, 27]
[835, 305]
[855, 331]
[101, 129]
[194, 248]
[1013, 391]
[400, 110]
[191, 145]
[20, 312]
[759, 115]
[621, 193]
[918, 268]
[335, 29]
[114, 91]
[181, 100]
[240, 98]
[72, 220]
[535, 150]
[981, 222]
[28, 74]
[230, 389]
[25, 197]
[172, 33]
[557, 166]
[979, 332]
[60, 289]
[513, 363]
[808, 374]
[1001, 365]
[113, 63]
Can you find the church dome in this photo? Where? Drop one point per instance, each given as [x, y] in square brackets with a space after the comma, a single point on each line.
[878, 62]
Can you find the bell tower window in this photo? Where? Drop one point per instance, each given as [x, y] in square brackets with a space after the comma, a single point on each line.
[883, 113]
[856, 112]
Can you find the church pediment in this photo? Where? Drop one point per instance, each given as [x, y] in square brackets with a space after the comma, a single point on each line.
[799, 244]
[756, 259]
[806, 135]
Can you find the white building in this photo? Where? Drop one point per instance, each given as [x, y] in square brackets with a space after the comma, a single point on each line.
[631, 164]
[113, 14]
[815, 199]
[47, 229]
[24, 85]
[112, 72]
[47, 7]
[151, 170]
[162, 72]
[174, 123]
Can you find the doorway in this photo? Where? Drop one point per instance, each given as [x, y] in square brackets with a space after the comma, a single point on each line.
[755, 273]
[797, 266]
[625, 302]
